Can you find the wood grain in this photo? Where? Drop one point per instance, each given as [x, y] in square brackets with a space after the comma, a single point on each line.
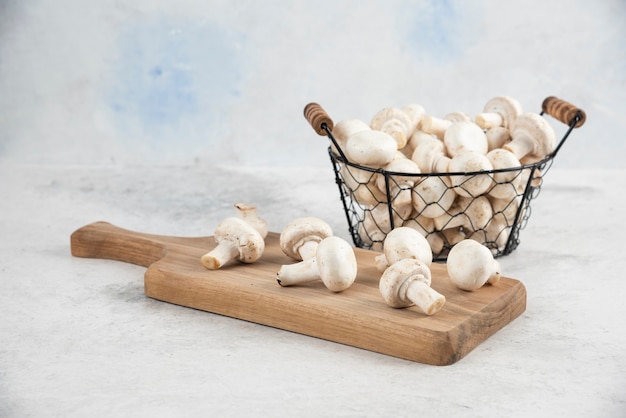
[357, 317]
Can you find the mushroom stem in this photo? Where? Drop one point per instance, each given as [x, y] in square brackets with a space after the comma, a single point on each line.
[220, 255]
[423, 296]
[436, 126]
[298, 273]
[249, 214]
[489, 120]
[495, 275]
[307, 249]
[521, 146]
[334, 263]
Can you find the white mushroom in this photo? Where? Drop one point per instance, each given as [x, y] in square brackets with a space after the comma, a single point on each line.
[371, 148]
[235, 239]
[346, 127]
[249, 214]
[415, 112]
[499, 111]
[438, 127]
[497, 137]
[433, 196]
[300, 237]
[429, 153]
[435, 126]
[400, 187]
[472, 214]
[478, 212]
[375, 226]
[506, 182]
[426, 227]
[470, 265]
[404, 242]
[498, 229]
[334, 263]
[532, 137]
[407, 283]
[471, 184]
[362, 185]
[465, 136]
[395, 122]
[458, 117]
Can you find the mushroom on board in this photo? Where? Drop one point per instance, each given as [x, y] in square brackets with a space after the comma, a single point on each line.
[334, 264]
[532, 137]
[470, 265]
[499, 111]
[404, 242]
[236, 239]
[407, 283]
[426, 227]
[300, 237]
[249, 214]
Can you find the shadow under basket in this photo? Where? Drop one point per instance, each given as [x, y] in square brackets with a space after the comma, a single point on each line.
[376, 201]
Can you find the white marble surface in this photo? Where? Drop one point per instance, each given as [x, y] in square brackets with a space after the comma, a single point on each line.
[79, 338]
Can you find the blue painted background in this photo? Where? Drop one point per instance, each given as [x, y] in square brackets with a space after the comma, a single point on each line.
[215, 82]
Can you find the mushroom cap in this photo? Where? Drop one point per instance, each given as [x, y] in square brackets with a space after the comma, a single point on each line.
[465, 136]
[346, 127]
[336, 263]
[478, 212]
[428, 149]
[398, 276]
[506, 182]
[537, 128]
[415, 112]
[497, 137]
[248, 240]
[389, 113]
[301, 230]
[469, 264]
[249, 214]
[400, 164]
[395, 122]
[433, 196]
[371, 148]
[404, 242]
[470, 162]
[507, 107]
[458, 117]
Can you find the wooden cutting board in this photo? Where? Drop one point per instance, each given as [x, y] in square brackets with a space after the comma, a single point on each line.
[357, 317]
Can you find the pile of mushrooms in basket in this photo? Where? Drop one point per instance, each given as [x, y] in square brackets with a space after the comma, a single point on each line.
[407, 140]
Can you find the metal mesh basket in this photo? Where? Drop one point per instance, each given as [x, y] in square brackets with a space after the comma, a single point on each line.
[376, 200]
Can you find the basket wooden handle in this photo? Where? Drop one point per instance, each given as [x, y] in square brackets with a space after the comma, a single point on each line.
[563, 111]
[318, 117]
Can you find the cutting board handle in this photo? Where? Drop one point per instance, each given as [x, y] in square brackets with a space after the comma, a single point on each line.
[107, 241]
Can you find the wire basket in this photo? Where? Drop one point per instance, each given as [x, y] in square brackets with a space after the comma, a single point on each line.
[376, 201]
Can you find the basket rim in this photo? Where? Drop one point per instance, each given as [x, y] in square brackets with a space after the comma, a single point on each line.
[341, 159]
